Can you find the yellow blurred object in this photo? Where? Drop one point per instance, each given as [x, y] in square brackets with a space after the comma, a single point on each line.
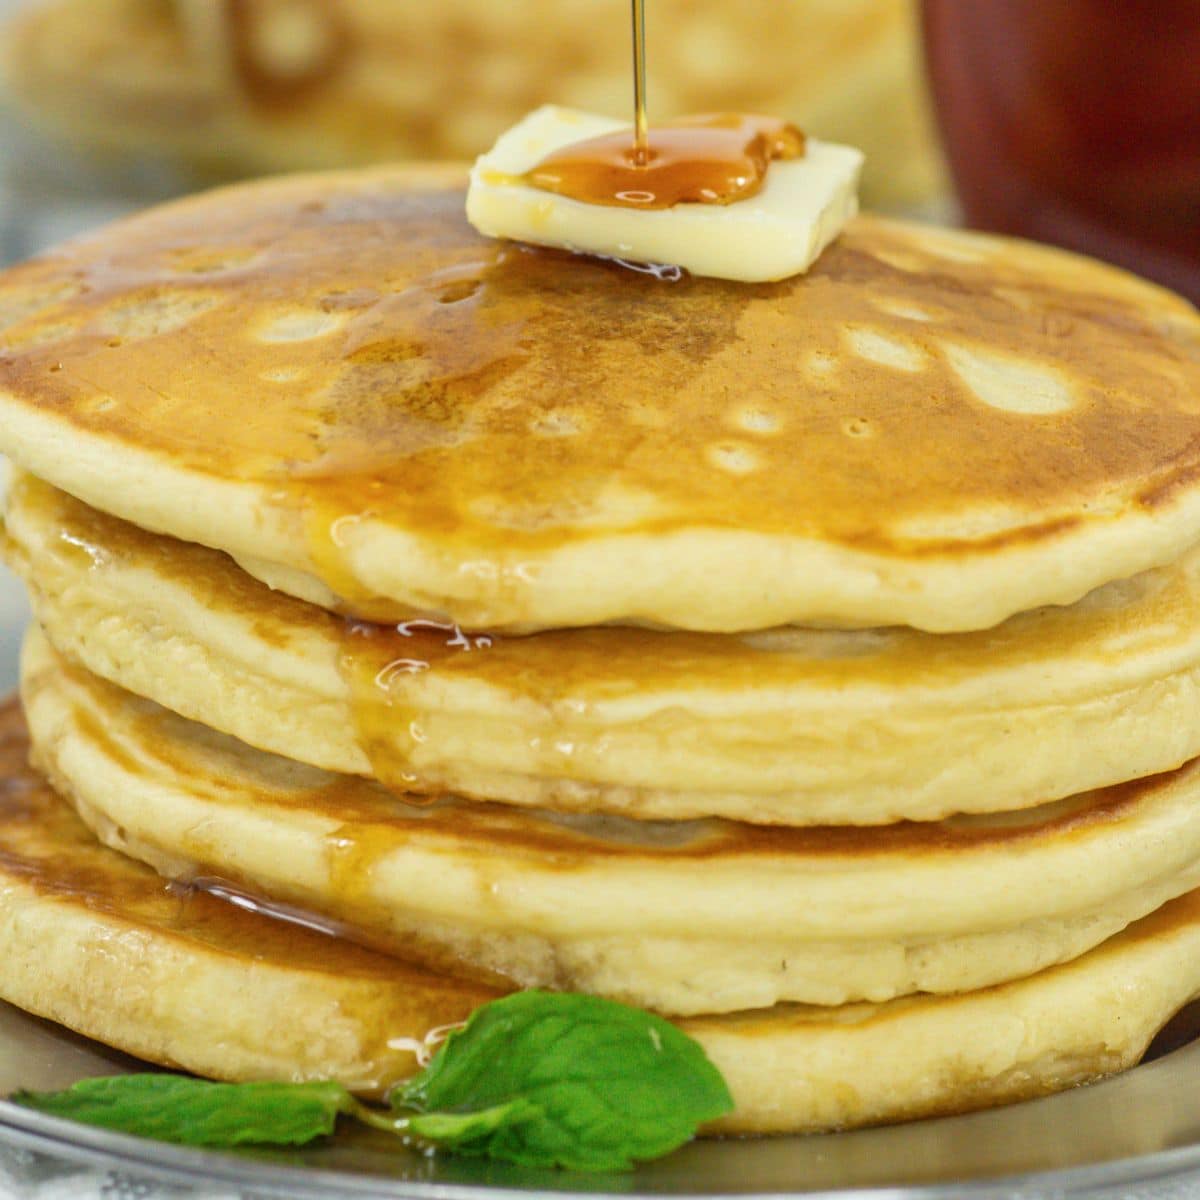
[229, 87]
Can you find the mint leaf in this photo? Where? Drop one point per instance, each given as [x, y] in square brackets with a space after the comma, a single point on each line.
[194, 1112]
[464, 1131]
[607, 1085]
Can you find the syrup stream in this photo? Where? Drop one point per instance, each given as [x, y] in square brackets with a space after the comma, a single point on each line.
[641, 138]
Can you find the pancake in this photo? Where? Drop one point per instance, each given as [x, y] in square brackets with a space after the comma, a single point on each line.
[684, 917]
[97, 942]
[282, 85]
[335, 380]
[787, 726]
[104, 946]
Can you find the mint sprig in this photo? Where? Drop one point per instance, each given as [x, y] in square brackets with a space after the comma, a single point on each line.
[611, 1084]
[195, 1112]
[537, 1078]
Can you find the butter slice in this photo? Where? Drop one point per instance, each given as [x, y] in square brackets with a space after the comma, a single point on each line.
[801, 208]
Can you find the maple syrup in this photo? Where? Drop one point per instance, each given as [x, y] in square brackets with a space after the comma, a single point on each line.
[716, 158]
[374, 661]
[641, 148]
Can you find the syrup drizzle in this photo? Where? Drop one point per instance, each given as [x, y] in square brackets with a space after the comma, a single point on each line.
[275, 910]
[641, 143]
[376, 662]
[717, 158]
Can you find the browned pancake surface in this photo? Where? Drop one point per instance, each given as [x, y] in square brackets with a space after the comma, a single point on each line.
[45, 845]
[351, 344]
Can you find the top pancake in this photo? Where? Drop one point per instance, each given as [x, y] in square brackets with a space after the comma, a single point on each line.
[337, 381]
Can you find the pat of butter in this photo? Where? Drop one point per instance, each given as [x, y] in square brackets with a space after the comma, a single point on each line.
[802, 207]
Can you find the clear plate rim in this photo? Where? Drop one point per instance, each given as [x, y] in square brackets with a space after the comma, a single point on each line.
[75, 1142]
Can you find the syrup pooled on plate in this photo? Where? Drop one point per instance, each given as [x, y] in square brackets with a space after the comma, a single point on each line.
[717, 158]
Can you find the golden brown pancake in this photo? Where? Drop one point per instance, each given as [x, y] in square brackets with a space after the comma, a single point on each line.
[106, 947]
[337, 381]
[98, 942]
[684, 917]
[786, 726]
[276, 85]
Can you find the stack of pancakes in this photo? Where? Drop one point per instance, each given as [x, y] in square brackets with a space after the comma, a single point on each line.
[815, 663]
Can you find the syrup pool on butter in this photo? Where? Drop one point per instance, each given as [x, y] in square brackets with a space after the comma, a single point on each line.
[781, 231]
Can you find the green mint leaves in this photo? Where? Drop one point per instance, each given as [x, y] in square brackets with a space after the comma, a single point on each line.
[611, 1084]
[194, 1112]
[537, 1078]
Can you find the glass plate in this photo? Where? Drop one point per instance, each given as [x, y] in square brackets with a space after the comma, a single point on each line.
[1110, 1139]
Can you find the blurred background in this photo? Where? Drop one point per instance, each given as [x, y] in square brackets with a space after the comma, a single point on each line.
[112, 102]
[1071, 121]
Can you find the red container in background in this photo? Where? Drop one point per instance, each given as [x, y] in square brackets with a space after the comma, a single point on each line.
[1076, 122]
